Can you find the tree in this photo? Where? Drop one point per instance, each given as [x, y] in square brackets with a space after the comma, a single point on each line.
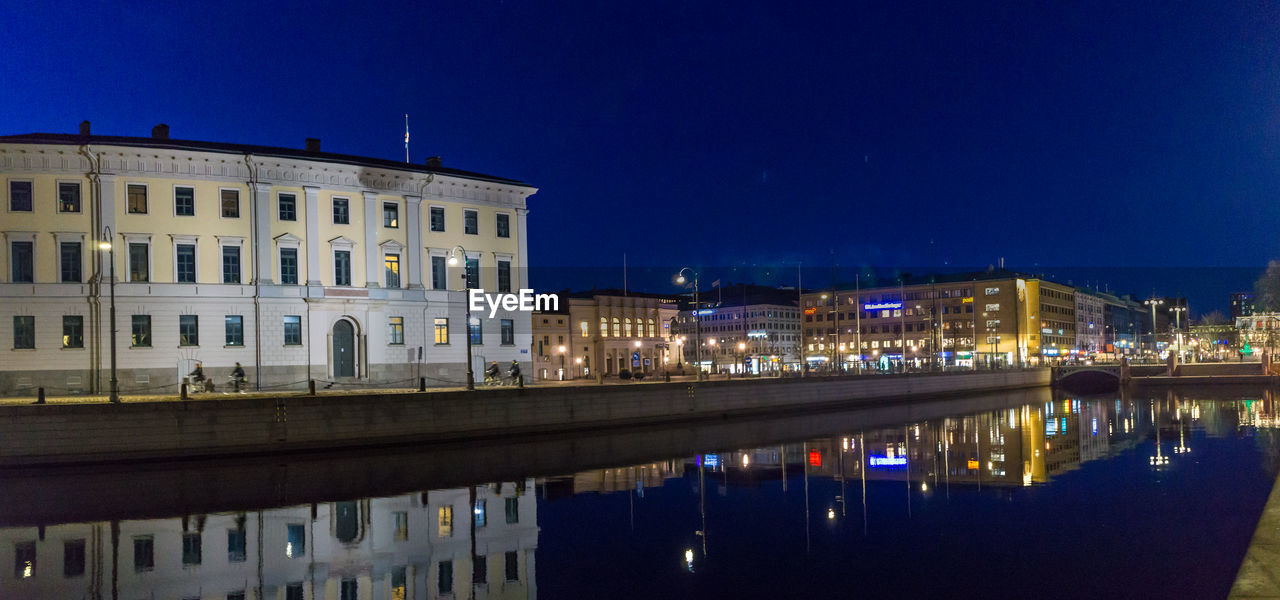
[1213, 318]
[1266, 290]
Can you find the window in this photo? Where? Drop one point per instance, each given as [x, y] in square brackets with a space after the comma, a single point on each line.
[349, 589]
[446, 521]
[511, 570]
[504, 276]
[24, 560]
[444, 578]
[143, 553]
[72, 331]
[184, 201]
[20, 196]
[68, 197]
[626, 327]
[437, 218]
[586, 329]
[287, 205]
[235, 595]
[293, 591]
[188, 330]
[391, 264]
[513, 510]
[289, 266]
[230, 264]
[341, 211]
[293, 330]
[439, 273]
[395, 331]
[473, 272]
[504, 225]
[230, 204]
[991, 291]
[70, 260]
[137, 194]
[24, 332]
[185, 263]
[617, 330]
[604, 327]
[235, 545]
[470, 222]
[190, 549]
[235, 330]
[139, 262]
[22, 262]
[992, 307]
[508, 330]
[479, 511]
[477, 332]
[341, 267]
[480, 570]
[441, 330]
[141, 331]
[391, 215]
[653, 332]
[297, 543]
[398, 581]
[401, 524]
[73, 558]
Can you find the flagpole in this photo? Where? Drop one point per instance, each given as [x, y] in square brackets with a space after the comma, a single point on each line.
[406, 138]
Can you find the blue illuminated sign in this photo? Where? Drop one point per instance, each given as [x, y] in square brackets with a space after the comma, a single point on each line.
[711, 460]
[705, 311]
[888, 461]
[882, 306]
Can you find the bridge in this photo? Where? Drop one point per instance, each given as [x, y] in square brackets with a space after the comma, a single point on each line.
[1089, 378]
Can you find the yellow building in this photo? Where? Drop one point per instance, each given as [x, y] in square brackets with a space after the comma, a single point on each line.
[604, 332]
[296, 263]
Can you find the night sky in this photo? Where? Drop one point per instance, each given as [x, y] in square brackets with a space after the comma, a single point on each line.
[1060, 136]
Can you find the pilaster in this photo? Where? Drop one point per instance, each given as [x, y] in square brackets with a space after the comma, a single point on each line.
[313, 234]
[371, 239]
[262, 233]
[413, 254]
[521, 278]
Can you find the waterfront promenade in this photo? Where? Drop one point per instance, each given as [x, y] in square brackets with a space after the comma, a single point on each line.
[77, 433]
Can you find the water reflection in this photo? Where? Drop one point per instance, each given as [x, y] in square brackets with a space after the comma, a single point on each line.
[715, 516]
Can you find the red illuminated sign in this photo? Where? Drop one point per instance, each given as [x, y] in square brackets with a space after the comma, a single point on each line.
[815, 458]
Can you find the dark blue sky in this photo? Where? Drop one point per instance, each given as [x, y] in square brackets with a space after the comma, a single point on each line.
[1073, 134]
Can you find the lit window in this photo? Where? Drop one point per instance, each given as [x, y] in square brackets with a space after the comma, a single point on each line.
[231, 204]
[442, 330]
[446, 521]
[390, 215]
[68, 197]
[296, 545]
[137, 198]
[391, 266]
[395, 333]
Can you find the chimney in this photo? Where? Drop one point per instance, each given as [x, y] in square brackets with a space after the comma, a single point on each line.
[160, 132]
[313, 144]
[434, 162]
[84, 128]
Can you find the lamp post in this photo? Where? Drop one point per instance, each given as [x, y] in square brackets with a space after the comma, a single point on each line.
[697, 319]
[1177, 328]
[107, 245]
[1153, 302]
[742, 355]
[466, 300]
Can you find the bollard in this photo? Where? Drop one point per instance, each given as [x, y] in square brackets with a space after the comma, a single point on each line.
[311, 387]
[520, 382]
[600, 377]
[184, 391]
[40, 396]
[666, 377]
[422, 384]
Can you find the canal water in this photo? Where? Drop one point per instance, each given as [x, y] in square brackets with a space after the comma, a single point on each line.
[1026, 494]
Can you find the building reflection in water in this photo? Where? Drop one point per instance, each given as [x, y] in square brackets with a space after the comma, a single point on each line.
[477, 542]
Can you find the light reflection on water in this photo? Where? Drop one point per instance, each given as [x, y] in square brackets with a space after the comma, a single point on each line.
[1121, 491]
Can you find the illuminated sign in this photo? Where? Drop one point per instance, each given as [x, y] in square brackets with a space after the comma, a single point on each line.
[882, 306]
[815, 458]
[967, 301]
[758, 334]
[705, 311]
[809, 311]
[888, 461]
[711, 460]
[972, 464]
[1050, 351]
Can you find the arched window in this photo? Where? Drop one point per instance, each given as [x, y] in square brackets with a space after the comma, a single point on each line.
[617, 328]
[653, 331]
[586, 329]
[604, 327]
[626, 327]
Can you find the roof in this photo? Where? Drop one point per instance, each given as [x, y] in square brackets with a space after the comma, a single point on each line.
[71, 139]
[615, 292]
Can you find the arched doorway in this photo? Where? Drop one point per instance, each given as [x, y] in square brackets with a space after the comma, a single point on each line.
[344, 349]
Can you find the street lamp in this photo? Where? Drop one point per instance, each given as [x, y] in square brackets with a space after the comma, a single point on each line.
[1153, 303]
[1177, 316]
[466, 300]
[742, 355]
[697, 319]
[107, 245]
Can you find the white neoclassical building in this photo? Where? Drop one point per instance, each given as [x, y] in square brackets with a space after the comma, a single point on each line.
[296, 263]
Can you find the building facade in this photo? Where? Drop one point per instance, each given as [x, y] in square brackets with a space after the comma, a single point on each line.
[297, 264]
[603, 332]
[1090, 323]
[1242, 305]
[743, 329]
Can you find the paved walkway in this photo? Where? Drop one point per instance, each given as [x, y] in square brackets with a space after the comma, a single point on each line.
[1259, 575]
